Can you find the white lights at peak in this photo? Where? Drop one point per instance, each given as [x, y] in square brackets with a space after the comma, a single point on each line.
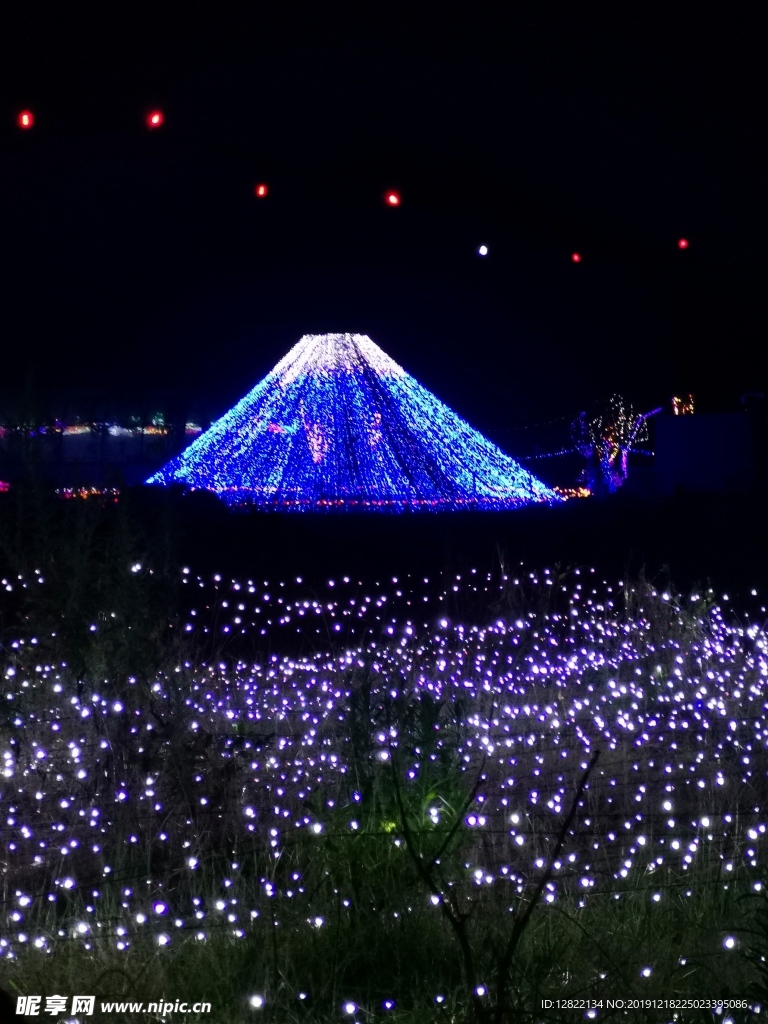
[323, 353]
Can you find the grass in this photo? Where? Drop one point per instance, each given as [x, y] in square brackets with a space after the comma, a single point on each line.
[286, 802]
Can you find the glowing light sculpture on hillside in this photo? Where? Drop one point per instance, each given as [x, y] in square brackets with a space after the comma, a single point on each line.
[338, 424]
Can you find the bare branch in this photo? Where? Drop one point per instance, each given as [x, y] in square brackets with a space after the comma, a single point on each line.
[522, 922]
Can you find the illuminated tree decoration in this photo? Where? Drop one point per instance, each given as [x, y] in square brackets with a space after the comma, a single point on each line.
[25, 119]
[606, 440]
[338, 424]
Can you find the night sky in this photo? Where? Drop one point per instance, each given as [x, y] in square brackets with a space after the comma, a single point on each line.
[139, 265]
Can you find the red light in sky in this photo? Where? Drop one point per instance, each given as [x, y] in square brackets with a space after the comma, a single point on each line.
[682, 243]
[260, 191]
[393, 199]
[155, 119]
[25, 119]
[576, 257]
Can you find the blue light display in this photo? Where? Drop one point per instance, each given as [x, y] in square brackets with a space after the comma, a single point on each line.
[338, 424]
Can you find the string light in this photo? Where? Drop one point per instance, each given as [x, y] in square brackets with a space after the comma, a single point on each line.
[606, 440]
[25, 119]
[682, 243]
[682, 405]
[483, 250]
[576, 257]
[573, 492]
[260, 191]
[155, 119]
[604, 663]
[677, 704]
[338, 424]
[393, 198]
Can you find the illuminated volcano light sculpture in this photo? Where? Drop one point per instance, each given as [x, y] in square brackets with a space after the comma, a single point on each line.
[338, 424]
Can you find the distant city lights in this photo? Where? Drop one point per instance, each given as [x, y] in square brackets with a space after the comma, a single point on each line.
[25, 119]
[105, 493]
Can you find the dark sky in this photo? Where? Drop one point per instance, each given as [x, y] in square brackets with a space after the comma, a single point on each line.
[139, 263]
